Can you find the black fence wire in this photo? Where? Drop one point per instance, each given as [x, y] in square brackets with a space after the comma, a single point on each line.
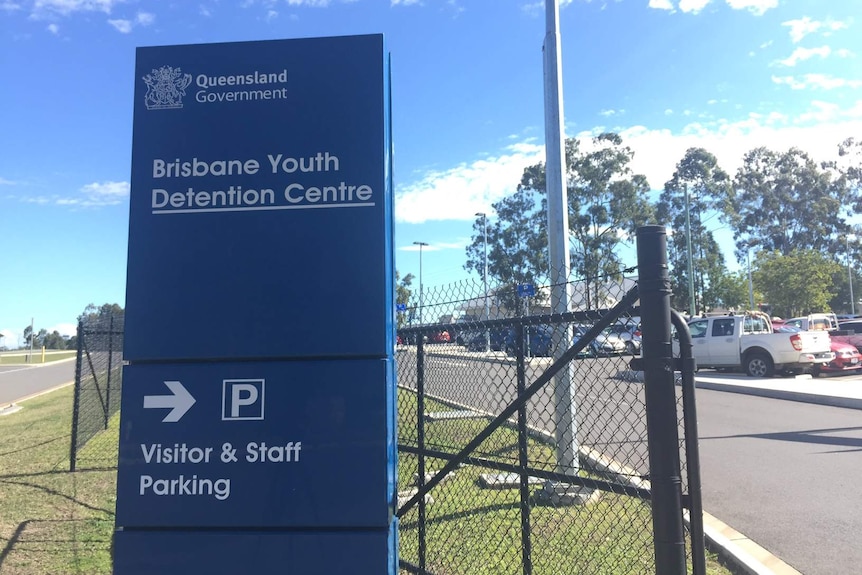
[98, 385]
[524, 439]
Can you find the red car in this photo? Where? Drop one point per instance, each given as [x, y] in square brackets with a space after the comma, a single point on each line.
[847, 358]
[439, 337]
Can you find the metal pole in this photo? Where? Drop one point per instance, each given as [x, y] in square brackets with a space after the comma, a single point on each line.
[76, 402]
[692, 307]
[850, 278]
[485, 277]
[750, 284]
[565, 426]
[660, 399]
[420, 244]
[32, 336]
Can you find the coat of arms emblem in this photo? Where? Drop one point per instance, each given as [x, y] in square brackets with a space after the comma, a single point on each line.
[166, 88]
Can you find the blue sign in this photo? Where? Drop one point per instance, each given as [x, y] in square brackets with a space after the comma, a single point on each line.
[260, 553]
[261, 201]
[526, 290]
[257, 429]
[257, 444]
[401, 307]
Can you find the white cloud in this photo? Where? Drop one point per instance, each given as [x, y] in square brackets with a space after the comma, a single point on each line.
[462, 191]
[125, 26]
[661, 4]
[67, 329]
[312, 3]
[53, 29]
[9, 339]
[42, 8]
[804, 26]
[271, 15]
[122, 26]
[8, 6]
[800, 54]
[693, 6]
[756, 7]
[611, 112]
[97, 194]
[5, 182]
[816, 82]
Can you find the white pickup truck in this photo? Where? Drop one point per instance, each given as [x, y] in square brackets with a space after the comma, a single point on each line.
[747, 342]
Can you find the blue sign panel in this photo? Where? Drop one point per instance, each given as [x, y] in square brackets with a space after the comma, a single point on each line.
[526, 290]
[260, 553]
[261, 202]
[257, 444]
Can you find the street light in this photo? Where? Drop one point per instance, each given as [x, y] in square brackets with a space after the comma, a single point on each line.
[485, 278]
[420, 244]
[850, 276]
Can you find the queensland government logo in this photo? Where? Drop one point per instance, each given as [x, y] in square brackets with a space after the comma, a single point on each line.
[166, 88]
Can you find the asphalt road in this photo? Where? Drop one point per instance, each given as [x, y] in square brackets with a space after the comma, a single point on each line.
[784, 473]
[787, 475]
[17, 381]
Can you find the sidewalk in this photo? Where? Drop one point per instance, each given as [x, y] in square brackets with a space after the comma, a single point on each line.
[837, 391]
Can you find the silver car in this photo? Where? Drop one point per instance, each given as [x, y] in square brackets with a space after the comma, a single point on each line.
[629, 333]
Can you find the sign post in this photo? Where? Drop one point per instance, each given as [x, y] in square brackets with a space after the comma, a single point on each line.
[251, 439]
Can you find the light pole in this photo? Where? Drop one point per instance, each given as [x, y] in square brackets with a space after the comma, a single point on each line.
[750, 284]
[485, 278]
[850, 277]
[692, 311]
[421, 245]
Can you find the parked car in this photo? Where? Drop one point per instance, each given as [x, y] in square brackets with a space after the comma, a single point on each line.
[629, 333]
[539, 341]
[853, 325]
[605, 344]
[439, 337]
[477, 340]
[847, 358]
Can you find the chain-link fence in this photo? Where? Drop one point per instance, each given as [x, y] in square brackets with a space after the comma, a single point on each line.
[98, 384]
[521, 452]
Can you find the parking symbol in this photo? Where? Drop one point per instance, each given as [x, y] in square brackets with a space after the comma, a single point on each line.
[242, 399]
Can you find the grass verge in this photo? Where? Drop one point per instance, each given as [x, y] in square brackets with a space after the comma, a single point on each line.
[53, 521]
[21, 357]
[471, 529]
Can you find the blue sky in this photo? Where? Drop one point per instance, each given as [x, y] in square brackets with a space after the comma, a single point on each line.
[728, 75]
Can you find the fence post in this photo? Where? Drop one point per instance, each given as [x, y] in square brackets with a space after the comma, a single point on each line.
[73, 449]
[107, 410]
[523, 350]
[420, 437]
[660, 395]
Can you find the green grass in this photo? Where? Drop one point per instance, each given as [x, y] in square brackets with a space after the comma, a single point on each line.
[51, 521]
[56, 522]
[20, 357]
[471, 529]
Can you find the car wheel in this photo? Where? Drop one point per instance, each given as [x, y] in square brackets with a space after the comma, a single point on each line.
[630, 348]
[816, 370]
[759, 365]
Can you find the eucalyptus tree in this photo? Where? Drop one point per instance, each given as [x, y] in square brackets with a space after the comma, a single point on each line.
[606, 203]
[517, 243]
[698, 192]
[785, 201]
[403, 292]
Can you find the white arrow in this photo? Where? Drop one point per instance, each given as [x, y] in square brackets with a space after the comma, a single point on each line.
[178, 403]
